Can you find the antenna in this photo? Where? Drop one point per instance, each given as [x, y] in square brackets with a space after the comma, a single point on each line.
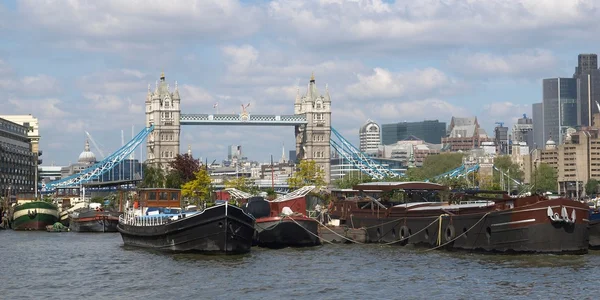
[95, 145]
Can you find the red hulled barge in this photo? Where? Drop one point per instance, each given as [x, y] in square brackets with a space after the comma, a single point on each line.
[428, 214]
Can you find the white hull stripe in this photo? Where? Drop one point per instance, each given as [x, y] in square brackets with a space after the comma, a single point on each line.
[514, 222]
[20, 213]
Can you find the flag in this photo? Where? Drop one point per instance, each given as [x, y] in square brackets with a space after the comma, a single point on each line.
[216, 105]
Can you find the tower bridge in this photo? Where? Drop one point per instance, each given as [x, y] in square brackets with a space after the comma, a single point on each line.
[311, 121]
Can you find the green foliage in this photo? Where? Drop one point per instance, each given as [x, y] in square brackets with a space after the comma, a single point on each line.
[173, 180]
[511, 169]
[591, 187]
[97, 199]
[434, 165]
[453, 183]
[544, 178]
[199, 188]
[271, 193]
[243, 184]
[185, 168]
[308, 173]
[351, 179]
[154, 177]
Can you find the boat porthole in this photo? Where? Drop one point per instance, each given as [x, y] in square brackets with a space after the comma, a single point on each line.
[220, 224]
[427, 234]
[488, 232]
[465, 232]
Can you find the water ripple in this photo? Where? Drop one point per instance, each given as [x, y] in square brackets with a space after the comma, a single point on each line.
[41, 265]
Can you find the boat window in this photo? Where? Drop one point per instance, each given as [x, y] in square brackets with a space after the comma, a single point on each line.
[151, 195]
[163, 196]
[174, 196]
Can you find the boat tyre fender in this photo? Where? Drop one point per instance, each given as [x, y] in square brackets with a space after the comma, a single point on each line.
[404, 233]
[449, 233]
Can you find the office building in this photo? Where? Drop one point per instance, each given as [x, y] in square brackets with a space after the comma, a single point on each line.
[501, 139]
[431, 131]
[559, 107]
[537, 110]
[370, 137]
[588, 88]
[17, 160]
[464, 134]
[523, 131]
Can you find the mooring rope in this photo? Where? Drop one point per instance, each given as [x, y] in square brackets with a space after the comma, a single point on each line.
[333, 231]
[406, 238]
[316, 235]
[454, 239]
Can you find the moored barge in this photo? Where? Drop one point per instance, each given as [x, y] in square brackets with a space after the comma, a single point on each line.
[427, 214]
[221, 229]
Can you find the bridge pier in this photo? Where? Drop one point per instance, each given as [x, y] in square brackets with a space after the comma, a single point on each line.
[163, 111]
[312, 138]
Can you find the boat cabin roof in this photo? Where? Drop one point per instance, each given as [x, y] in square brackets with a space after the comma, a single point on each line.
[390, 186]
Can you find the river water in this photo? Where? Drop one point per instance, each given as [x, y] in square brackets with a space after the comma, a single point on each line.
[69, 265]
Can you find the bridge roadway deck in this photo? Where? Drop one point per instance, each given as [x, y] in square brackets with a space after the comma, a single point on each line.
[242, 119]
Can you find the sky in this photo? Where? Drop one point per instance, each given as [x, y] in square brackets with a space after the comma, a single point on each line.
[85, 65]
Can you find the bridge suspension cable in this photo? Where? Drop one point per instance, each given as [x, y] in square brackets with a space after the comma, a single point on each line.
[99, 168]
[359, 159]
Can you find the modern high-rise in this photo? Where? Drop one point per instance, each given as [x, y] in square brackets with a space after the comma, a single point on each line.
[234, 152]
[523, 131]
[586, 62]
[501, 139]
[559, 107]
[537, 113]
[588, 88]
[370, 137]
[430, 131]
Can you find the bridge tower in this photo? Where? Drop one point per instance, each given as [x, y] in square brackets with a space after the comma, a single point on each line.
[163, 110]
[312, 139]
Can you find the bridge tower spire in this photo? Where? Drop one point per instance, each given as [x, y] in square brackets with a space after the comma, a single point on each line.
[163, 111]
[312, 139]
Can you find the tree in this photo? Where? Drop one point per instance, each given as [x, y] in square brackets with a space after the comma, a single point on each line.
[243, 184]
[185, 166]
[154, 177]
[199, 188]
[351, 179]
[97, 199]
[434, 165]
[544, 178]
[308, 173]
[591, 187]
[173, 180]
[505, 164]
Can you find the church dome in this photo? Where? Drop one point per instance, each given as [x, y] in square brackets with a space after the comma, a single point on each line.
[550, 142]
[87, 156]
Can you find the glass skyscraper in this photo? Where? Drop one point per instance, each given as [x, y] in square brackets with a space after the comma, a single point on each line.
[559, 107]
[430, 131]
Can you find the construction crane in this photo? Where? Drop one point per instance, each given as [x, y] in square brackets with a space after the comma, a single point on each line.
[95, 145]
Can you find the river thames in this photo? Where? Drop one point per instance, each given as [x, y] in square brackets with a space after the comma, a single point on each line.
[69, 265]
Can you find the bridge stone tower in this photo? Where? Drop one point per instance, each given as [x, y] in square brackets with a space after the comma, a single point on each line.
[163, 110]
[312, 139]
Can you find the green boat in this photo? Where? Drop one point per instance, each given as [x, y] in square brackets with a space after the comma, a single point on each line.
[35, 215]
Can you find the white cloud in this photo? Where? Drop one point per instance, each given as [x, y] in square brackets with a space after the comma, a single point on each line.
[431, 25]
[115, 81]
[128, 25]
[419, 110]
[194, 96]
[383, 83]
[532, 62]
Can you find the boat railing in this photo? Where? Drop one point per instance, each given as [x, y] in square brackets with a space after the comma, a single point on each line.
[473, 202]
[130, 218]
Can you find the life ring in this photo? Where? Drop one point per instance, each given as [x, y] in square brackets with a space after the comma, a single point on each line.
[449, 233]
[404, 234]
